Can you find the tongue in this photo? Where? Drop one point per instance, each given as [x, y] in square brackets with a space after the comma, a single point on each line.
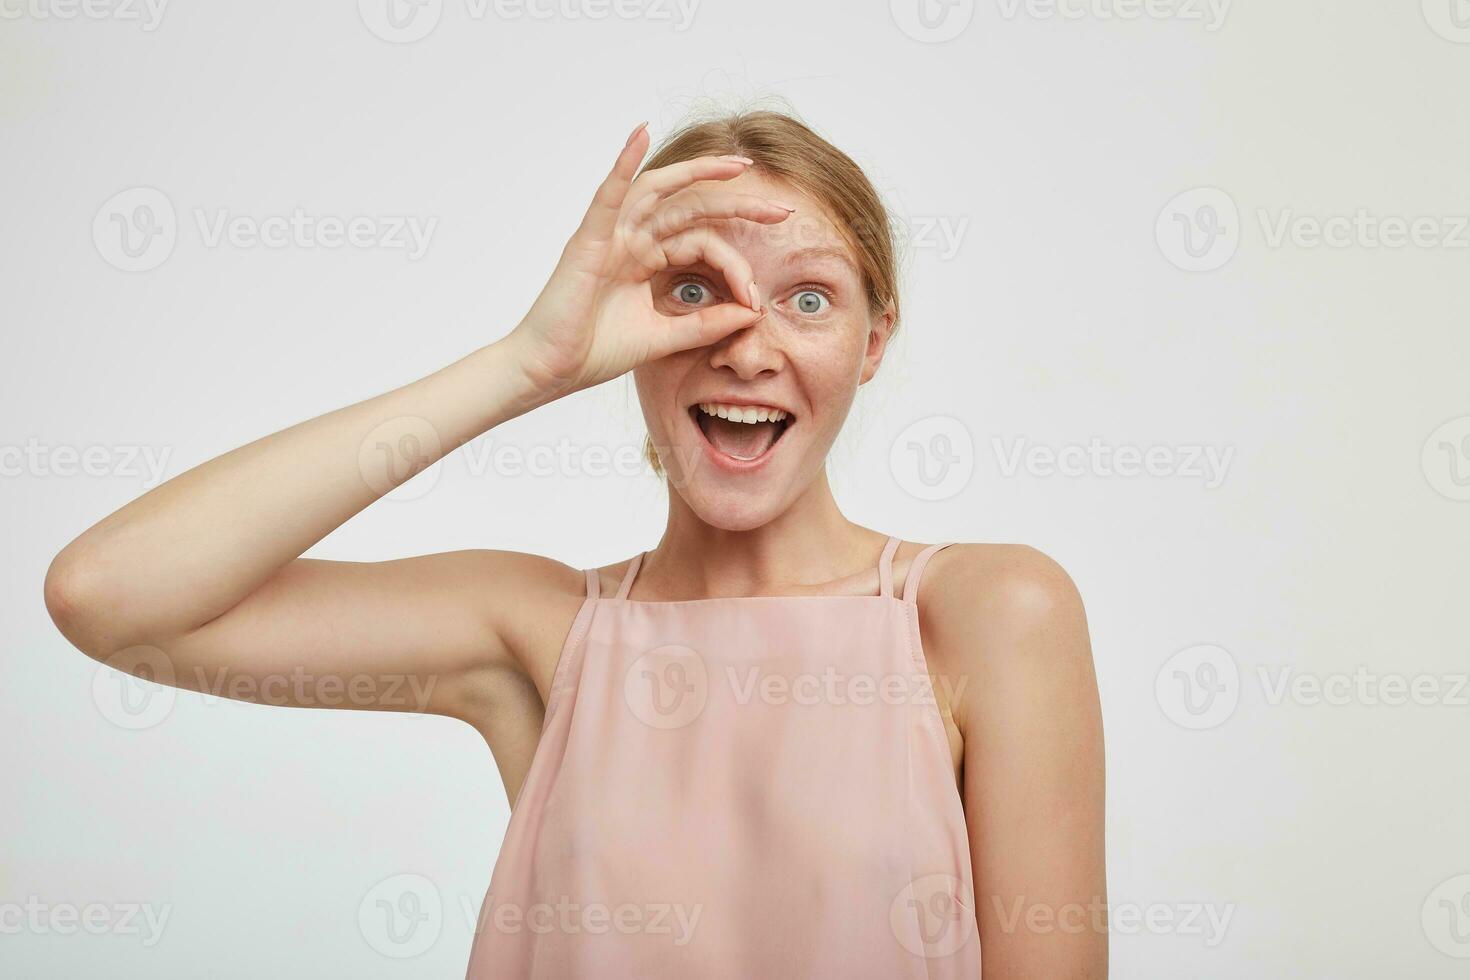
[743, 440]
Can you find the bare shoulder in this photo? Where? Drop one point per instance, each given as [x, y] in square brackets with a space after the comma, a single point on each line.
[1001, 586]
[525, 604]
[529, 574]
[523, 593]
[1003, 614]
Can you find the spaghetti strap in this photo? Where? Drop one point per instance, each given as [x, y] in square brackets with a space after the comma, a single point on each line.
[916, 569]
[626, 585]
[885, 568]
[594, 587]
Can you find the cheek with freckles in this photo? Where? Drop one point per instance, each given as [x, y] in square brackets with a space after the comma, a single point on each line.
[658, 384]
[827, 365]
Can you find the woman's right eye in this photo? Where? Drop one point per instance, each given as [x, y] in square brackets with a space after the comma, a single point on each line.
[690, 293]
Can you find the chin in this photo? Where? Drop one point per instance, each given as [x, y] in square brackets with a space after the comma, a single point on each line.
[733, 511]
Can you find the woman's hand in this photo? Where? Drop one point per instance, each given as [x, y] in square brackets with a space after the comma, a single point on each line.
[205, 570]
[596, 318]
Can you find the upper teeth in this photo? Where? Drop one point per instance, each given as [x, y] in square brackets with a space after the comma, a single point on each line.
[743, 413]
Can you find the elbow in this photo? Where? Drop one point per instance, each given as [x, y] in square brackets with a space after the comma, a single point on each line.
[74, 593]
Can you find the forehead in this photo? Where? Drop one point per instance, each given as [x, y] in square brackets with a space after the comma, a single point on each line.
[811, 235]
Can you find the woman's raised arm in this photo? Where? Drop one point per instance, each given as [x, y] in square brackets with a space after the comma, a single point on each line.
[205, 570]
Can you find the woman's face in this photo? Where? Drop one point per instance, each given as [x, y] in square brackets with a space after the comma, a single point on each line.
[806, 356]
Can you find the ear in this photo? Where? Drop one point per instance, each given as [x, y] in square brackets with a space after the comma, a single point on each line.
[879, 333]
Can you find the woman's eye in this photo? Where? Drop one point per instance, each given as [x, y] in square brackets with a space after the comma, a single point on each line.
[691, 293]
[811, 301]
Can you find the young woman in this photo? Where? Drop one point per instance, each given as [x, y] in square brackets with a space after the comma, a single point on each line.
[757, 749]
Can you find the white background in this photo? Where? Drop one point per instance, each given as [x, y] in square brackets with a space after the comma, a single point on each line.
[1049, 148]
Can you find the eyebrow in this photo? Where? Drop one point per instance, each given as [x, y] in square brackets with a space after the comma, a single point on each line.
[823, 252]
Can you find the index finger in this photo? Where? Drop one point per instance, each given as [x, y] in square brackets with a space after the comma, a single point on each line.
[677, 176]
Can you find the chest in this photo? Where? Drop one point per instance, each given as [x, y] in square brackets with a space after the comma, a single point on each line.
[781, 682]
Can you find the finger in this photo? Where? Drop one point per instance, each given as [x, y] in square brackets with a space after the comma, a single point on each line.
[704, 327]
[602, 216]
[702, 244]
[690, 207]
[660, 183]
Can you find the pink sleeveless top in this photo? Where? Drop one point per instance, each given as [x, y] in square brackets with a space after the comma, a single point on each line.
[749, 787]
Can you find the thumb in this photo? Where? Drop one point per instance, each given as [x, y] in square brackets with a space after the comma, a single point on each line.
[707, 326]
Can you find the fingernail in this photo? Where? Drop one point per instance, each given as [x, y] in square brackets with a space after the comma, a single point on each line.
[733, 158]
[785, 206]
[755, 297]
[634, 134]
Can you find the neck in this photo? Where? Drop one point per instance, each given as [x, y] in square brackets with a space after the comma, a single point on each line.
[806, 547]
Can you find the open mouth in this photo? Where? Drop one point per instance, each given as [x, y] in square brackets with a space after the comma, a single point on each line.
[744, 433]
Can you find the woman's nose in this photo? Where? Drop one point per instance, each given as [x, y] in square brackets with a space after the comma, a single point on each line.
[750, 351]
